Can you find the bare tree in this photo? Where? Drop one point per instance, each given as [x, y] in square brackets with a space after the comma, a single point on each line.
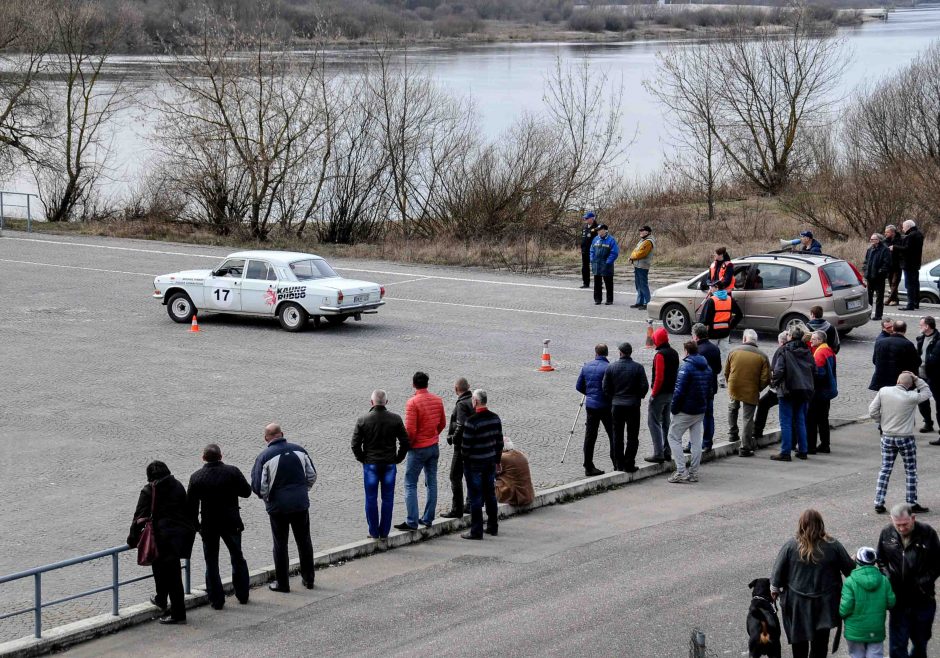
[82, 104]
[25, 42]
[267, 107]
[766, 94]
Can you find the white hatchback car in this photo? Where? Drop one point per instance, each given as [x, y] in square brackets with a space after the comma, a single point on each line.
[929, 283]
[292, 286]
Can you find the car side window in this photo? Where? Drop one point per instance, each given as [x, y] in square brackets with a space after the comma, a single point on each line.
[740, 275]
[802, 276]
[232, 268]
[769, 276]
[261, 271]
[935, 271]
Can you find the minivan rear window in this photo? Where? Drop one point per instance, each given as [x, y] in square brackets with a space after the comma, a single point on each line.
[841, 275]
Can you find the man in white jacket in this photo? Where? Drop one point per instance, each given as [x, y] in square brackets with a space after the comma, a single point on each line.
[894, 410]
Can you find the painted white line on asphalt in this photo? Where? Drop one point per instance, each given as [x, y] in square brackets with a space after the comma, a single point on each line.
[515, 310]
[393, 283]
[342, 269]
[73, 267]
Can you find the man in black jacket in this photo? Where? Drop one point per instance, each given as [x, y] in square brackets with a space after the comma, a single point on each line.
[463, 409]
[928, 347]
[909, 553]
[912, 249]
[482, 449]
[876, 267]
[625, 384]
[374, 445]
[792, 378]
[893, 354]
[588, 233]
[216, 488]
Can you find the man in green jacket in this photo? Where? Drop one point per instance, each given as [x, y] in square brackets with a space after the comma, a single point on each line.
[866, 597]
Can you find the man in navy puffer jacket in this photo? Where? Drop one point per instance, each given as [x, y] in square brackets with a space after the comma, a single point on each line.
[689, 402]
[596, 405]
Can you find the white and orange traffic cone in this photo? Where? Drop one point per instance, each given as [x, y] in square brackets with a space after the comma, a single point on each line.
[194, 327]
[649, 335]
[546, 357]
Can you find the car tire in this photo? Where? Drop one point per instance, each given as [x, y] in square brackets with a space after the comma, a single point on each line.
[180, 308]
[791, 319]
[676, 320]
[928, 298]
[336, 319]
[292, 317]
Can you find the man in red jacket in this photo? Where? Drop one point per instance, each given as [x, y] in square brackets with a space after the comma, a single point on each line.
[424, 422]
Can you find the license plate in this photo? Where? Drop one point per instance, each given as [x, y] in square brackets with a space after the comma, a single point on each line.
[360, 298]
[853, 304]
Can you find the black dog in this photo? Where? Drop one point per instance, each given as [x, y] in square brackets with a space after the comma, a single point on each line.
[763, 627]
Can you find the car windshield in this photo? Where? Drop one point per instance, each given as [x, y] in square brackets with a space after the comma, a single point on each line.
[314, 268]
[841, 275]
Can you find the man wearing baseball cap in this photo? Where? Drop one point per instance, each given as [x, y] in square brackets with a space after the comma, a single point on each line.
[642, 259]
[588, 233]
[808, 243]
[604, 252]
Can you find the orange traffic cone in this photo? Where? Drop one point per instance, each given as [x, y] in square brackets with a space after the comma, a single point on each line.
[194, 328]
[546, 357]
[649, 334]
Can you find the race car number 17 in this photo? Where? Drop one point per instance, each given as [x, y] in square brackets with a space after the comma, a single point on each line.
[222, 297]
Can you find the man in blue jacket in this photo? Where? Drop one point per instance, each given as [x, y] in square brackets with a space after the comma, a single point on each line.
[282, 476]
[604, 252]
[712, 355]
[689, 401]
[596, 405]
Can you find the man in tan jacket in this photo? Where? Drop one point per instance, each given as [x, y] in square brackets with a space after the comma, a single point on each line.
[747, 371]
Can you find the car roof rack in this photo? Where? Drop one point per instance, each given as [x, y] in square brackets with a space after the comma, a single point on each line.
[803, 258]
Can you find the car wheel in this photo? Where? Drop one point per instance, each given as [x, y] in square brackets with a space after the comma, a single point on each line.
[292, 317]
[336, 319]
[676, 319]
[180, 308]
[792, 320]
[928, 298]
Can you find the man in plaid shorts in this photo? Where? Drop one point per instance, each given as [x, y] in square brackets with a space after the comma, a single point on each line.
[894, 409]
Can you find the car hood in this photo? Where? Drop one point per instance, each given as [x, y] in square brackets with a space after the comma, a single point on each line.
[186, 274]
[680, 289]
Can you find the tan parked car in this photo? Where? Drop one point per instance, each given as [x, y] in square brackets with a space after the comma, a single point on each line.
[773, 291]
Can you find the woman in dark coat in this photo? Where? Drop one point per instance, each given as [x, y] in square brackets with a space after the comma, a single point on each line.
[808, 578]
[174, 535]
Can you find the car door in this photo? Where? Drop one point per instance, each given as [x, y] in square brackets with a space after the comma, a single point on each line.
[223, 286]
[768, 295]
[259, 288]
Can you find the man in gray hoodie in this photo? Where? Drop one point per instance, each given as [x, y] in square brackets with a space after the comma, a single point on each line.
[894, 409]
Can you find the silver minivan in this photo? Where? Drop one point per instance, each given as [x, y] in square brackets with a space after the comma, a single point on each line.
[774, 291]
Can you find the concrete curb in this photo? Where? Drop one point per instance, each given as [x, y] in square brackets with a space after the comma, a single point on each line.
[64, 636]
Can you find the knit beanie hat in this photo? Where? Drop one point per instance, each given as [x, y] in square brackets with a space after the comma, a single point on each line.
[866, 556]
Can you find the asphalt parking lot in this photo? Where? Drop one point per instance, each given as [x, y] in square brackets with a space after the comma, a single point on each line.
[99, 381]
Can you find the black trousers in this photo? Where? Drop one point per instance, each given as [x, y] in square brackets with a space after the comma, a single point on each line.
[767, 402]
[606, 280]
[912, 285]
[281, 527]
[481, 492]
[586, 267]
[876, 295]
[595, 417]
[623, 453]
[818, 647]
[456, 481]
[894, 280]
[168, 581]
[817, 424]
[210, 550]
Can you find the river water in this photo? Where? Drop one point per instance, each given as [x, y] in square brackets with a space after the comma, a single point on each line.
[506, 80]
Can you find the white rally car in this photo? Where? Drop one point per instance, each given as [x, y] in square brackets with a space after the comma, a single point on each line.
[290, 285]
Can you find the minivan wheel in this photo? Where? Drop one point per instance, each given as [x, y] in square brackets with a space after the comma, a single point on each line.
[792, 320]
[676, 319]
[928, 298]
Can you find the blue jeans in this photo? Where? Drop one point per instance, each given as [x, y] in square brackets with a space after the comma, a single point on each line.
[708, 425]
[481, 491]
[372, 476]
[792, 419]
[910, 624]
[641, 279]
[421, 459]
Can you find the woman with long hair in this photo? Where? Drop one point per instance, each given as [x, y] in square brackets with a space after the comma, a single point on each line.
[163, 499]
[807, 578]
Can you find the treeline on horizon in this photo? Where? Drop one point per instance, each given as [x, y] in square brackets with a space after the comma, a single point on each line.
[151, 24]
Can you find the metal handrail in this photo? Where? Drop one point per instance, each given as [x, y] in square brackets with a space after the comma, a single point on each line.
[115, 586]
[28, 206]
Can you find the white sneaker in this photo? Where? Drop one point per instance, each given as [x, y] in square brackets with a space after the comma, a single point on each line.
[678, 478]
[692, 477]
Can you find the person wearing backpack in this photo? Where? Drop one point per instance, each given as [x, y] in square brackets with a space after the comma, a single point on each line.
[866, 598]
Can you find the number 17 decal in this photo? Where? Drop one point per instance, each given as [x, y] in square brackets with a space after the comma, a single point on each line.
[221, 294]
